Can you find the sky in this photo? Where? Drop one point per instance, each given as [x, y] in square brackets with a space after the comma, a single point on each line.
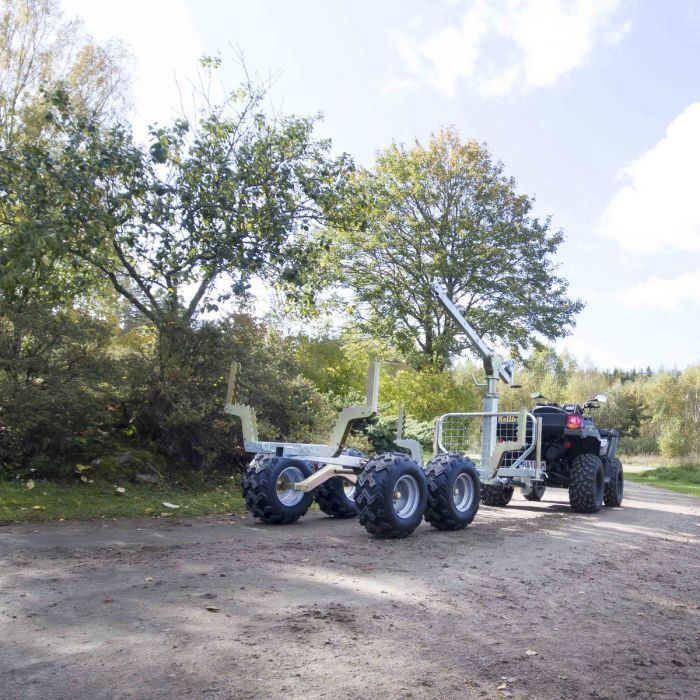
[593, 106]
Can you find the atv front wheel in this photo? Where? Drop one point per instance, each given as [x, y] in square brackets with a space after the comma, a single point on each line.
[390, 494]
[586, 483]
[496, 495]
[268, 490]
[614, 490]
[453, 491]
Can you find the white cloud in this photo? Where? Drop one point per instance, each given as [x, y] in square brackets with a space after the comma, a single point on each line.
[399, 85]
[656, 207]
[665, 294]
[512, 45]
[163, 40]
[617, 34]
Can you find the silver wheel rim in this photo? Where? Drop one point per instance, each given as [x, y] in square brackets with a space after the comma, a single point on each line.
[285, 493]
[349, 490]
[406, 496]
[463, 493]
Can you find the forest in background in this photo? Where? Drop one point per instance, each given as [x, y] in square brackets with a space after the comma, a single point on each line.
[127, 277]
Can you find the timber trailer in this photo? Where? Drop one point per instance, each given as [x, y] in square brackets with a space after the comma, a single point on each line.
[391, 493]
[387, 492]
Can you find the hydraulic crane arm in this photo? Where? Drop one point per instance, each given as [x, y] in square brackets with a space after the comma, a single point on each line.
[494, 365]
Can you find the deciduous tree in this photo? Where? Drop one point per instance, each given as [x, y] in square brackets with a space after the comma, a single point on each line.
[182, 225]
[447, 210]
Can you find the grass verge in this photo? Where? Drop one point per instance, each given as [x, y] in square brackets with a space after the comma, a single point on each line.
[681, 479]
[54, 501]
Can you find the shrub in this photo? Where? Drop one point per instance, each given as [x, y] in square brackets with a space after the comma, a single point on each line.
[55, 402]
[429, 394]
[177, 402]
[381, 433]
[673, 441]
[642, 445]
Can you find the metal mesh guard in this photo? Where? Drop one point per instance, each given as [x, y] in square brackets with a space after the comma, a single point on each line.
[462, 433]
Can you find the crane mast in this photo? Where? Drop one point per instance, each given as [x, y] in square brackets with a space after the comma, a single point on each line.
[495, 368]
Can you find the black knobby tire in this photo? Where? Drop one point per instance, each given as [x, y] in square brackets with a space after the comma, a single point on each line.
[378, 508]
[334, 497]
[586, 483]
[536, 493]
[453, 491]
[260, 489]
[496, 495]
[615, 489]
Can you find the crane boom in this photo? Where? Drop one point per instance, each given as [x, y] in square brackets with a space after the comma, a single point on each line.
[494, 365]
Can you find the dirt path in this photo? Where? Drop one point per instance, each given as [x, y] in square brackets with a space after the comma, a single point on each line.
[610, 604]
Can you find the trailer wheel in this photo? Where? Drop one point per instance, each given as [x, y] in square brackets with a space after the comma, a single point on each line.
[496, 495]
[453, 491]
[267, 492]
[586, 483]
[390, 494]
[336, 497]
[535, 493]
[614, 490]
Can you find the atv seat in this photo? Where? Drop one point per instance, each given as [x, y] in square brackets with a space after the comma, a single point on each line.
[553, 419]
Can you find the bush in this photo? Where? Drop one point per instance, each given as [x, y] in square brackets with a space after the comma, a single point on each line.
[176, 402]
[381, 433]
[643, 445]
[673, 440]
[76, 390]
[427, 395]
[55, 402]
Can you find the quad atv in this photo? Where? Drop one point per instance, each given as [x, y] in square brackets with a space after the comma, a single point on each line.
[577, 455]
[551, 445]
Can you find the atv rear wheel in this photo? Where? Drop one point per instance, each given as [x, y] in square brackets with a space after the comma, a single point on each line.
[586, 483]
[453, 491]
[336, 497]
[390, 494]
[268, 492]
[614, 490]
[496, 495]
[535, 493]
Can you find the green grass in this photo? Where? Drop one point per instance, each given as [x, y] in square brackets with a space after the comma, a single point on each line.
[53, 501]
[681, 479]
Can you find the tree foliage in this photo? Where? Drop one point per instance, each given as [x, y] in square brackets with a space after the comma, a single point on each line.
[40, 50]
[182, 225]
[447, 211]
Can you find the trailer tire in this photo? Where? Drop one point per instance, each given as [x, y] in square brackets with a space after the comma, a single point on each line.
[453, 491]
[391, 493]
[586, 483]
[264, 492]
[335, 497]
[615, 489]
[536, 493]
[496, 495]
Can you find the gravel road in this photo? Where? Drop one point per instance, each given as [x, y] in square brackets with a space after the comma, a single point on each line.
[530, 601]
